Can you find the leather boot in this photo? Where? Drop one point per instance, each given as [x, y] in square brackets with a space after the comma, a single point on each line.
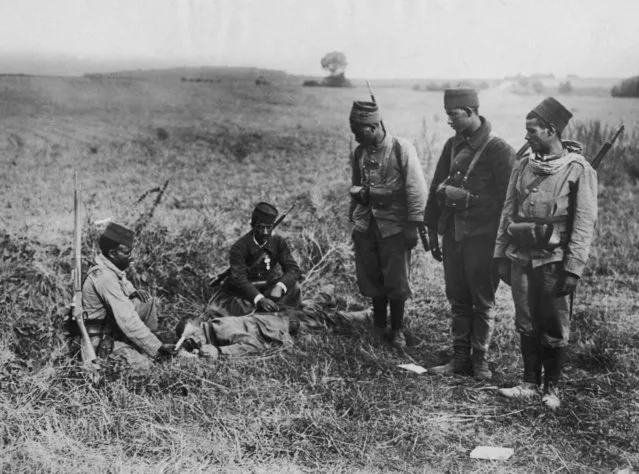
[553, 359]
[380, 311]
[380, 305]
[460, 364]
[397, 323]
[481, 371]
[531, 354]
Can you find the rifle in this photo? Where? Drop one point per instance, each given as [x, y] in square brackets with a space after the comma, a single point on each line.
[522, 151]
[421, 227]
[596, 161]
[370, 91]
[87, 351]
[222, 276]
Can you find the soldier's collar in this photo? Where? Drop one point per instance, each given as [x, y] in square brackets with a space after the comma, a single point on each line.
[381, 145]
[101, 259]
[476, 140]
[268, 245]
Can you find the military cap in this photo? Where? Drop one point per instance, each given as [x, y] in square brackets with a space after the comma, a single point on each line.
[264, 213]
[551, 111]
[118, 233]
[460, 98]
[365, 113]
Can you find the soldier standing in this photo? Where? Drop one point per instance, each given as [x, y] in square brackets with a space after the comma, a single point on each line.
[544, 238]
[464, 205]
[388, 197]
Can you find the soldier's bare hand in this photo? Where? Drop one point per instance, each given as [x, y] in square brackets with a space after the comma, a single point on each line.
[567, 284]
[142, 295]
[276, 293]
[267, 305]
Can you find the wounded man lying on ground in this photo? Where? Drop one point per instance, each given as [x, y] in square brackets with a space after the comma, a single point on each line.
[120, 320]
[253, 333]
[263, 273]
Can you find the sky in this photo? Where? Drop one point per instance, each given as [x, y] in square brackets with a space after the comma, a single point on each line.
[381, 38]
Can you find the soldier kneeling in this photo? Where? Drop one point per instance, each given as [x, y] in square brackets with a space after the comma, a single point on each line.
[255, 282]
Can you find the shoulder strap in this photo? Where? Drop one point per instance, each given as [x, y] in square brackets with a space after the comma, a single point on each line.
[357, 161]
[397, 149]
[536, 182]
[476, 157]
[529, 189]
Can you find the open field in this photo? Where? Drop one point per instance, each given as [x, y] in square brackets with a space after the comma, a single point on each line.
[334, 401]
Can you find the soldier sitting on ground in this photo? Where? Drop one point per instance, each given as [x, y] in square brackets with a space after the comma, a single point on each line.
[263, 275]
[120, 320]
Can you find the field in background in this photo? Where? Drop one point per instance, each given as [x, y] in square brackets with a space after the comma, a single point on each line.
[334, 400]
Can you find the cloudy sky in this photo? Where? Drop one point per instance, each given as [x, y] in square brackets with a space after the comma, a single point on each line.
[381, 38]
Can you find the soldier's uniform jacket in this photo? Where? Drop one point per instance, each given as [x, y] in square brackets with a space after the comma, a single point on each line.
[488, 181]
[106, 292]
[402, 175]
[243, 274]
[567, 198]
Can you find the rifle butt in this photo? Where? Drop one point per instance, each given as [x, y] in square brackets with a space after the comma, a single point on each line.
[86, 346]
[423, 237]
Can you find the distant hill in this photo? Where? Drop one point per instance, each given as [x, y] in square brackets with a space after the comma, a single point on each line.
[213, 73]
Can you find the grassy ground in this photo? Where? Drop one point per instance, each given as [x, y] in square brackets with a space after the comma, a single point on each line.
[335, 400]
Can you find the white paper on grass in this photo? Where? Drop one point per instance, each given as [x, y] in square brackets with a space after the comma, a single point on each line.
[418, 369]
[491, 452]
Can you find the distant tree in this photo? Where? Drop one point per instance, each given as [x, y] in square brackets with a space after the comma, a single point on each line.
[334, 62]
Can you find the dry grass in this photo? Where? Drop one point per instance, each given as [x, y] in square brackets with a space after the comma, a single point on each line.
[335, 400]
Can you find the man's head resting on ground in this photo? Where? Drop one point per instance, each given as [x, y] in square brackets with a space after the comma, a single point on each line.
[116, 244]
[262, 221]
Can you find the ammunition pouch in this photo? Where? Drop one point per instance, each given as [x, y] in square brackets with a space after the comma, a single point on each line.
[381, 197]
[360, 194]
[535, 236]
[456, 198]
[107, 333]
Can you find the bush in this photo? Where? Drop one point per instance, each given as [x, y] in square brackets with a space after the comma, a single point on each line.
[627, 88]
[565, 88]
[337, 80]
[621, 165]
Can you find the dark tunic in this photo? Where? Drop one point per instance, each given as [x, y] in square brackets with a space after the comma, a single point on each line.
[254, 271]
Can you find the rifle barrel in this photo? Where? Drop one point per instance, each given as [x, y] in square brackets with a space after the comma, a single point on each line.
[374, 101]
[88, 353]
[522, 151]
[596, 161]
